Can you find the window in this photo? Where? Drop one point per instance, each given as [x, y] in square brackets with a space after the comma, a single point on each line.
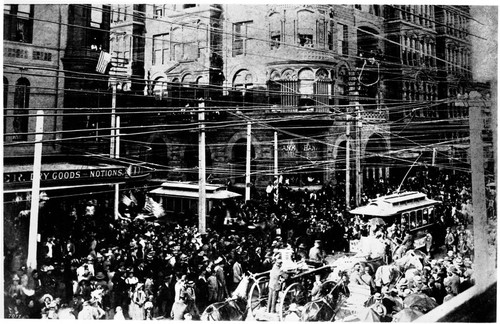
[322, 87]
[202, 39]
[18, 23]
[177, 46]
[120, 14]
[275, 30]
[96, 33]
[305, 40]
[342, 46]
[21, 102]
[306, 82]
[242, 85]
[161, 49]
[96, 16]
[240, 34]
[342, 86]
[5, 91]
[158, 11]
[189, 5]
[306, 28]
[275, 41]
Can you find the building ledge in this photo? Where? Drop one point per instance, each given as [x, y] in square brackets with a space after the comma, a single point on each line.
[476, 304]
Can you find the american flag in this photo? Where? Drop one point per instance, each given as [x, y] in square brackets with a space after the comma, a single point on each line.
[102, 64]
[126, 200]
[154, 208]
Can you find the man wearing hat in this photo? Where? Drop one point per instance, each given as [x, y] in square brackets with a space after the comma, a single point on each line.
[402, 286]
[378, 307]
[275, 279]
[293, 313]
[452, 280]
[301, 254]
[221, 279]
[316, 253]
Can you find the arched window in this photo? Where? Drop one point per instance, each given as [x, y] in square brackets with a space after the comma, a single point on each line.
[305, 29]
[242, 83]
[160, 88]
[323, 87]
[21, 102]
[275, 30]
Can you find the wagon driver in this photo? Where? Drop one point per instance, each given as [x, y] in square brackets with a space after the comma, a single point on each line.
[317, 256]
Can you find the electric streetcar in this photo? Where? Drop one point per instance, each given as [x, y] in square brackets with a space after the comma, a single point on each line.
[413, 209]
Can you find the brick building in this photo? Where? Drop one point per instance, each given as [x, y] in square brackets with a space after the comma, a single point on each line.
[295, 68]
[50, 58]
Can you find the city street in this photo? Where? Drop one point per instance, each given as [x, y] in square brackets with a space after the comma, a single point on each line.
[237, 162]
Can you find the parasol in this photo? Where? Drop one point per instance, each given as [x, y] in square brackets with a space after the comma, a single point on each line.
[368, 315]
[407, 315]
[421, 302]
[376, 221]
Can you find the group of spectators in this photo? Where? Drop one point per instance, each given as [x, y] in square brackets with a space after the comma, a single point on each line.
[93, 266]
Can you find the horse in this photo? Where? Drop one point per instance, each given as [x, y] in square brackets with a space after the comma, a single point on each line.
[411, 263]
[387, 275]
[326, 306]
[232, 309]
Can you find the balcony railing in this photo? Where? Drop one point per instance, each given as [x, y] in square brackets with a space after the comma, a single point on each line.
[375, 115]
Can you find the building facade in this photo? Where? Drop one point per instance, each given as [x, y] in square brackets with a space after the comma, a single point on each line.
[50, 58]
[297, 68]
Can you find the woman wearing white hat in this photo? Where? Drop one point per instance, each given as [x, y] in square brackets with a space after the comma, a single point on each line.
[136, 308]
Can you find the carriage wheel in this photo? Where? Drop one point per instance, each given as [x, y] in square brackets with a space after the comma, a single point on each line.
[257, 295]
[295, 293]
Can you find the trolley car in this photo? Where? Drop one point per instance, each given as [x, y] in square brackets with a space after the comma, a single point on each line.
[412, 209]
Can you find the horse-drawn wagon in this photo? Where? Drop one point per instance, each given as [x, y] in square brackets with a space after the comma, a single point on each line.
[300, 285]
[314, 293]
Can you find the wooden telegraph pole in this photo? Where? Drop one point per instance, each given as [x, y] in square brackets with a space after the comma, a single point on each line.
[202, 179]
[248, 161]
[483, 265]
[35, 194]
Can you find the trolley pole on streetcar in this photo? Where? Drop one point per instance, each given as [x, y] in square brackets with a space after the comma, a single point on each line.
[202, 210]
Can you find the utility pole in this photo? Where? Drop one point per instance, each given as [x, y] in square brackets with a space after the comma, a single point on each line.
[114, 147]
[35, 194]
[348, 162]
[248, 161]
[202, 179]
[359, 175]
[482, 255]
[276, 154]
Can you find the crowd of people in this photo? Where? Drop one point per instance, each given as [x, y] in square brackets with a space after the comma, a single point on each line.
[93, 266]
